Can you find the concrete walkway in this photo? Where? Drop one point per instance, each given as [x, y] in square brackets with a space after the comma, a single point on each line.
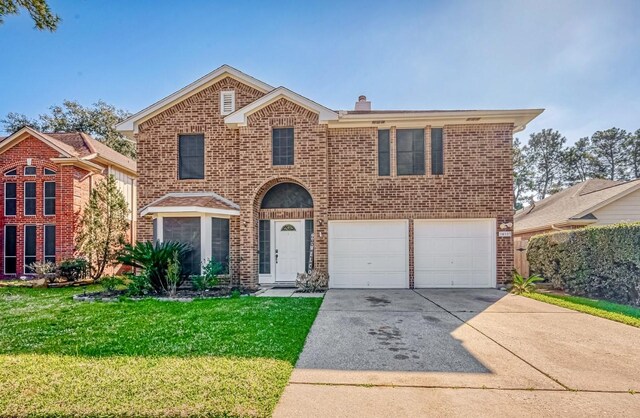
[461, 353]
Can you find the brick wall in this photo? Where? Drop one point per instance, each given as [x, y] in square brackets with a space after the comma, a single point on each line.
[337, 166]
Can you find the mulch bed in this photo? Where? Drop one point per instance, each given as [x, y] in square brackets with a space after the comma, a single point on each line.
[182, 295]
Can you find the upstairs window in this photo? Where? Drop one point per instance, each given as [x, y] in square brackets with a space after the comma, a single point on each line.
[227, 102]
[384, 153]
[29, 198]
[10, 199]
[49, 172]
[282, 149]
[29, 170]
[437, 152]
[191, 157]
[49, 197]
[410, 152]
[11, 172]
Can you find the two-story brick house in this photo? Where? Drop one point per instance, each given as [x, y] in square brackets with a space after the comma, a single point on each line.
[46, 182]
[275, 183]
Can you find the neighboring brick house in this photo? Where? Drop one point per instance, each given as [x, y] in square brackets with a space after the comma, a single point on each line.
[274, 184]
[47, 179]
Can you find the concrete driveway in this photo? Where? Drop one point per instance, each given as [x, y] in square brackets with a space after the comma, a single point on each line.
[461, 352]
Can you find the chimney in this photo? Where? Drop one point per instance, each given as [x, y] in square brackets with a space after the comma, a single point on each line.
[363, 103]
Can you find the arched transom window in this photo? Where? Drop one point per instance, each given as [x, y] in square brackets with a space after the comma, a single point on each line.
[287, 195]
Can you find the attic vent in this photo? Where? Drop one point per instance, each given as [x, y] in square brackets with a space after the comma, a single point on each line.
[472, 119]
[227, 102]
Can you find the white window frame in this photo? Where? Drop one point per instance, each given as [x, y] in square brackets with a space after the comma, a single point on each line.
[14, 198]
[24, 198]
[30, 175]
[44, 242]
[4, 252]
[232, 94]
[44, 199]
[52, 172]
[24, 248]
[11, 175]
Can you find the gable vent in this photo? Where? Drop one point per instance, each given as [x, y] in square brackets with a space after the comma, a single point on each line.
[227, 102]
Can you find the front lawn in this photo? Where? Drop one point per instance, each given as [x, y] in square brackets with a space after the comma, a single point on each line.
[229, 357]
[621, 313]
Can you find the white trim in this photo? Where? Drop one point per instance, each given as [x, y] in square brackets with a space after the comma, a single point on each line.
[24, 247]
[14, 198]
[24, 171]
[7, 142]
[44, 198]
[11, 175]
[300, 223]
[160, 229]
[130, 125]
[24, 197]
[4, 251]
[232, 94]
[187, 209]
[406, 245]
[239, 117]
[205, 240]
[491, 223]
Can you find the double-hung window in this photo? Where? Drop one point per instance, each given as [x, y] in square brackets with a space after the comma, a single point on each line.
[191, 157]
[29, 247]
[50, 243]
[282, 146]
[384, 153]
[410, 152]
[10, 248]
[49, 198]
[29, 198]
[10, 198]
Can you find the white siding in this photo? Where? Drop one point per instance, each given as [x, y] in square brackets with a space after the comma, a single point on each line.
[625, 209]
[127, 186]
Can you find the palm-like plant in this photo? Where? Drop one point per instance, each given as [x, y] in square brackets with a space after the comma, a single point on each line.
[154, 259]
[524, 285]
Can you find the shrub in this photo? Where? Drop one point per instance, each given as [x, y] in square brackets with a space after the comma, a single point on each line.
[111, 282]
[209, 279]
[313, 281]
[173, 273]
[154, 259]
[74, 269]
[524, 285]
[598, 262]
[45, 270]
[139, 284]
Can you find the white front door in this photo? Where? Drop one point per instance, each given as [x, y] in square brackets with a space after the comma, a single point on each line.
[289, 250]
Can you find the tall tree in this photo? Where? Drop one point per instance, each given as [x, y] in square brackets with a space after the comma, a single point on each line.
[522, 175]
[577, 162]
[544, 151]
[98, 120]
[39, 10]
[103, 226]
[608, 150]
[632, 151]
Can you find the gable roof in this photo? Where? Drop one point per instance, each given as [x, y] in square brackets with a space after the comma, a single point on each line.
[573, 205]
[74, 146]
[130, 125]
[239, 117]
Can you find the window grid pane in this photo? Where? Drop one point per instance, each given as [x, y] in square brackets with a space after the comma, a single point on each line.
[410, 151]
[50, 243]
[10, 249]
[384, 155]
[29, 247]
[282, 142]
[264, 250]
[29, 198]
[191, 157]
[10, 199]
[220, 242]
[49, 198]
[29, 170]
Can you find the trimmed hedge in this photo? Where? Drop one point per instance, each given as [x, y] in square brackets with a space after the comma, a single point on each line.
[601, 262]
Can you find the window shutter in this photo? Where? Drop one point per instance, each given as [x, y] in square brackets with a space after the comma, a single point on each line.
[227, 102]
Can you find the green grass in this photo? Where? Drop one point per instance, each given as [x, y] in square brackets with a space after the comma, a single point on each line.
[621, 313]
[216, 357]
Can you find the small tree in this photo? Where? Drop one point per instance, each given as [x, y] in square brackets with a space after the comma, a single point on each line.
[103, 226]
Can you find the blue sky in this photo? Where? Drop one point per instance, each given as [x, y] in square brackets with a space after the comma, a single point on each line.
[578, 59]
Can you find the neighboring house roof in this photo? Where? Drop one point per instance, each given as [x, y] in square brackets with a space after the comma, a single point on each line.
[379, 118]
[74, 147]
[572, 206]
[206, 202]
[239, 117]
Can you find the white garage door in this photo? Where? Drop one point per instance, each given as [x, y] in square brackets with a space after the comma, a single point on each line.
[454, 253]
[368, 254]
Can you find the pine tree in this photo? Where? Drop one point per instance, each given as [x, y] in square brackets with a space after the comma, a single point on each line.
[103, 226]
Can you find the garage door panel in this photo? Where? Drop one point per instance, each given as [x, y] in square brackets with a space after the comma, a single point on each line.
[454, 253]
[368, 254]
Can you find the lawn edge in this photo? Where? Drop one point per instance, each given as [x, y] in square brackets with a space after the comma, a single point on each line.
[602, 313]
